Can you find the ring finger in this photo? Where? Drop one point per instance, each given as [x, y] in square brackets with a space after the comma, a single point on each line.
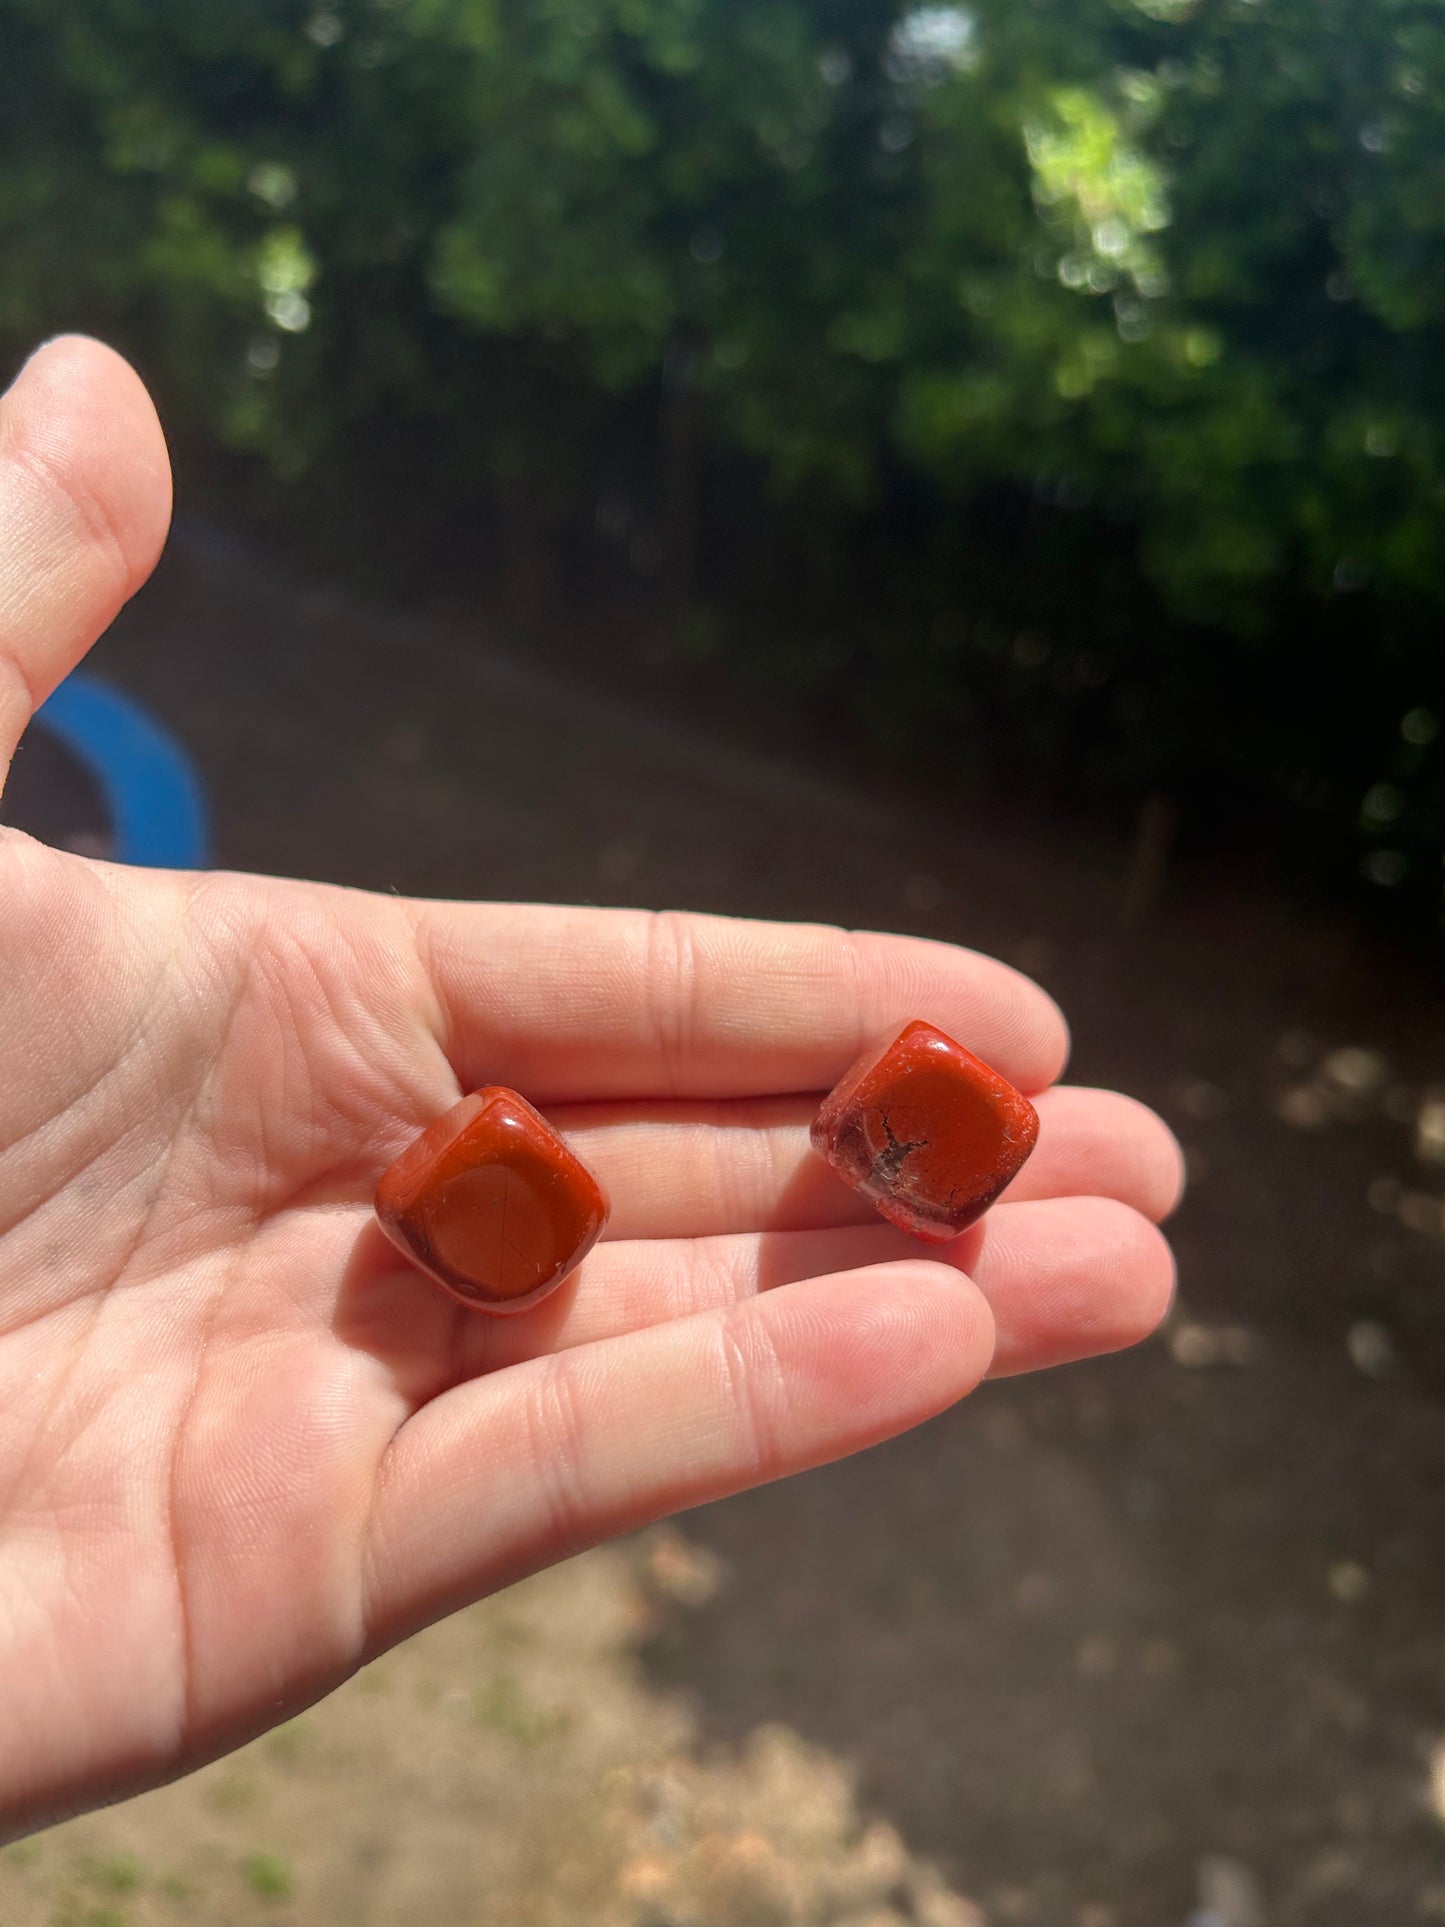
[1066, 1278]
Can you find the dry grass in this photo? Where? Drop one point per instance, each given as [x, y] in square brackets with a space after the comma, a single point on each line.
[509, 1767]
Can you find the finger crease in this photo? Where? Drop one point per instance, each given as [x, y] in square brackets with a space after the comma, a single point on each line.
[555, 1430]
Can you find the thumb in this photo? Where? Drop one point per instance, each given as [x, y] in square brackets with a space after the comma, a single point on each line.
[85, 502]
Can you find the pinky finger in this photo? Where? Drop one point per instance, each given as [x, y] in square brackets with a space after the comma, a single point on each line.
[509, 1473]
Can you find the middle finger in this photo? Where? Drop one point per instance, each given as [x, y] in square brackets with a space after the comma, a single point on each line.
[687, 1170]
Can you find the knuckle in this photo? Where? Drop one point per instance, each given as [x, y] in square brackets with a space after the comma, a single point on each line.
[756, 1392]
[673, 973]
[558, 1452]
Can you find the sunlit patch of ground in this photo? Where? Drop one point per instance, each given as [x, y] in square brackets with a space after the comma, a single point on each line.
[510, 1767]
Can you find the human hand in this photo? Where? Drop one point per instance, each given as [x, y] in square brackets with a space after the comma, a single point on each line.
[242, 1446]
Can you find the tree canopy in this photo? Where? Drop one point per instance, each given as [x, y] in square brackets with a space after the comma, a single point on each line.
[1172, 269]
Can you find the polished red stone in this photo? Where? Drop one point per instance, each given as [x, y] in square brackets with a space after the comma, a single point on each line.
[926, 1131]
[491, 1203]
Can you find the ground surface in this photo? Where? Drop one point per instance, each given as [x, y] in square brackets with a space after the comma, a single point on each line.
[1158, 1641]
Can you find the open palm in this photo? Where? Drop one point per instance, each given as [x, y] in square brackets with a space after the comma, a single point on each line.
[242, 1447]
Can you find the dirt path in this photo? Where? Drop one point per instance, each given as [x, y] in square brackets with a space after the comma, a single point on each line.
[1157, 1641]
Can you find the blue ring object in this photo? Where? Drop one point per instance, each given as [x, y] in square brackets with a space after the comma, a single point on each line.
[152, 790]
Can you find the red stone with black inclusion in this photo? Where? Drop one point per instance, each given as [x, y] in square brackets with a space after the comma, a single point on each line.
[492, 1203]
[926, 1131]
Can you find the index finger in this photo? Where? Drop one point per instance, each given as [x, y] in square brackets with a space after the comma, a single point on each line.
[583, 1004]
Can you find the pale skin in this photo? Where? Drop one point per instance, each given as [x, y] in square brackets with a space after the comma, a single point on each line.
[243, 1447]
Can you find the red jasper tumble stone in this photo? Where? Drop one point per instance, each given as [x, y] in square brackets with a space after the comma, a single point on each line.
[926, 1131]
[491, 1203]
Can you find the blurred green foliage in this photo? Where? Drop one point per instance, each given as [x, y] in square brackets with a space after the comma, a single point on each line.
[268, 1875]
[1096, 347]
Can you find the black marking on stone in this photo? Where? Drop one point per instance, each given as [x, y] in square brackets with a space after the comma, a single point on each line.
[888, 1165]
